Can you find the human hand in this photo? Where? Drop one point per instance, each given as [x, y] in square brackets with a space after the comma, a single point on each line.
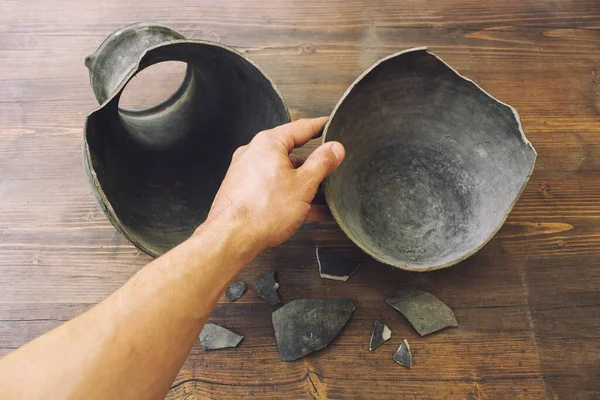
[267, 191]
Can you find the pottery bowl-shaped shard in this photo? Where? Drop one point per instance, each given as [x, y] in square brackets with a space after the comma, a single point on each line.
[433, 166]
[155, 172]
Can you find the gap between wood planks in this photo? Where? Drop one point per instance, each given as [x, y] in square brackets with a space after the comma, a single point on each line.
[525, 286]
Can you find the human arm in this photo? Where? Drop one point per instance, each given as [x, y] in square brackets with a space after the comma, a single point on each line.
[132, 344]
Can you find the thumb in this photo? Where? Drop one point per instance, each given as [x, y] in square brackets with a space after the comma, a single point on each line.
[323, 161]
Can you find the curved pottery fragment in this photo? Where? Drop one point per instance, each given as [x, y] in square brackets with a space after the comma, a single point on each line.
[425, 312]
[433, 166]
[155, 172]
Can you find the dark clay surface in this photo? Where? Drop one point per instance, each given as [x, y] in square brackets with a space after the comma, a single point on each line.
[266, 287]
[160, 168]
[425, 312]
[378, 337]
[235, 290]
[433, 164]
[333, 266]
[305, 326]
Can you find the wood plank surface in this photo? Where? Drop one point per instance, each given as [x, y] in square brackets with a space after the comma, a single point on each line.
[528, 303]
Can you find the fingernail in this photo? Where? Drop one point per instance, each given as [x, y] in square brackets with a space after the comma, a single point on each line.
[338, 150]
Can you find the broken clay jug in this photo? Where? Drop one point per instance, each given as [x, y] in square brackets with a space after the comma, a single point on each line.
[433, 165]
[155, 172]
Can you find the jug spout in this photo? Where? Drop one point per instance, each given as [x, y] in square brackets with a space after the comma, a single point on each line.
[119, 53]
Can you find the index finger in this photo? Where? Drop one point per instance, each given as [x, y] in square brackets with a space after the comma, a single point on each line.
[297, 133]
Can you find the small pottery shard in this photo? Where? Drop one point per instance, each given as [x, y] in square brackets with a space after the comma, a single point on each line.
[425, 312]
[403, 356]
[333, 267]
[305, 326]
[266, 287]
[235, 291]
[381, 334]
[214, 337]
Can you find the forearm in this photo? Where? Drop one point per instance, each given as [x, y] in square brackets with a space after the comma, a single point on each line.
[132, 344]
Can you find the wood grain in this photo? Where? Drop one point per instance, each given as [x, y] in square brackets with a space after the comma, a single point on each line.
[528, 303]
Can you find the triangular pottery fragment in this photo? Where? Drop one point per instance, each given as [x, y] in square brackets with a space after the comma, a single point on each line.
[403, 356]
[381, 334]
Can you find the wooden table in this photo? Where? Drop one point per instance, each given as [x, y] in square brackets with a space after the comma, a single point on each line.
[528, 303]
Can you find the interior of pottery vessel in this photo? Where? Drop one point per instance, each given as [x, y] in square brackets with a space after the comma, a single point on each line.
[160, 168]
[433, 164]
[153, 86]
